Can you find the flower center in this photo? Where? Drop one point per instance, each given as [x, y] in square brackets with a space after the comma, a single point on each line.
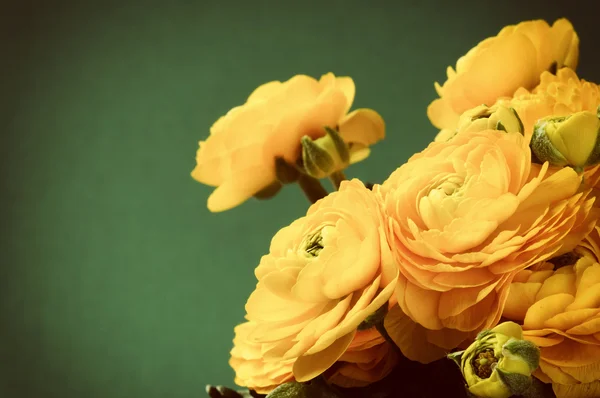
[484, 363]
[564, 260]
[313, 243]
[450, 185]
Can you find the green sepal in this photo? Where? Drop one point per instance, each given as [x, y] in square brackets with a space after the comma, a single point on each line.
[340, 146]
[317, 162]
[524, 350]
[543, 148]
[521, 126]
[456, 357]
[516, 382]
[375, 318]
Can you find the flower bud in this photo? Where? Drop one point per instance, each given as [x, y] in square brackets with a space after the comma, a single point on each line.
[496, 117]
[325, 155]
[499, 363]
[568, 140]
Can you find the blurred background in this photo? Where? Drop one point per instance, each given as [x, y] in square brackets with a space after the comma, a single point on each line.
[116, 281]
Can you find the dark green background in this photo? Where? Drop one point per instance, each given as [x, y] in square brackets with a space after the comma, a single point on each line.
[116, 281]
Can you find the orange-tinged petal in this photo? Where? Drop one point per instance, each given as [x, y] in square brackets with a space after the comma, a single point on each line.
[570, 353]
[520, 297]
[589, 390]
[546, 308]
[411, 338]
[307, 367]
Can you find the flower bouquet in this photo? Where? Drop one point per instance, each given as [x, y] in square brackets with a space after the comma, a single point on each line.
[472, 270]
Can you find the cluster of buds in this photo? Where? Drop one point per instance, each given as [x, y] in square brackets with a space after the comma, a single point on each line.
[499, 363]
[326, 155]
[568, 140]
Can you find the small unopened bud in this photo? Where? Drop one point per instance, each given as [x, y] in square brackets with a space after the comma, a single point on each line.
[496, 117]
[325, 155]
[568, 140]
[499, 363]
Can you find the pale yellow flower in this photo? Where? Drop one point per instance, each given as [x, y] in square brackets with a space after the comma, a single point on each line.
[239, 155]
[499, 65]
[325, 274]
[558, 303]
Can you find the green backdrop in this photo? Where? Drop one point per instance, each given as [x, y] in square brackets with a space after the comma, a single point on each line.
[116, 280]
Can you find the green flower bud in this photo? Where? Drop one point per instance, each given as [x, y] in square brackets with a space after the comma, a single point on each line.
[568, 140]
[326, 155]
[496, 117]
[499, 362]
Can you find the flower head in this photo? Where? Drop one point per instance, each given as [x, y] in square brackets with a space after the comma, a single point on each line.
[568, 140]
[499, 65]
[499, 362]
[240, 154]
[558, 303]
[466, 215]
[556, 95]
[325, 274]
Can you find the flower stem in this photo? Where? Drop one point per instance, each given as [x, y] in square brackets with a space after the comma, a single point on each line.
[336, 178]
[381, 329]
[312, 188]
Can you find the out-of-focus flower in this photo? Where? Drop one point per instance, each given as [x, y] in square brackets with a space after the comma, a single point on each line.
[325, 274]
[466, 215]
[239, 155]
[568, 140]
[480, 118]
[499, 65]
[558, 303]
[556, 95]
[499, 362]
[369, 358]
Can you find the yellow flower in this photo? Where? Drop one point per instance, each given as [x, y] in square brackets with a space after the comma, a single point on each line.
[239, 155]
[466, 215]
[251, 369]
[499, 363]
[558, 303]
[369, 358]
[556, 95]
[568, 140]
[499, 65]
[325, 274]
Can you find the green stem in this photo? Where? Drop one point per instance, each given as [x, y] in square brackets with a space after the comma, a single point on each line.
[381, 329]
[336, 178]
[311, 187]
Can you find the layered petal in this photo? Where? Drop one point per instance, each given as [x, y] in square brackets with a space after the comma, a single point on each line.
[325, 274]
[468, 216]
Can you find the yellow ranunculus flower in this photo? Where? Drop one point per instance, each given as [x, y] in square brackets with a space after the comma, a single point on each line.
[325, 274]
[568, 140]
[239, 155]
[558, 303]
[466, 215]
[556, 95]
[499, 362]
[499, 65]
